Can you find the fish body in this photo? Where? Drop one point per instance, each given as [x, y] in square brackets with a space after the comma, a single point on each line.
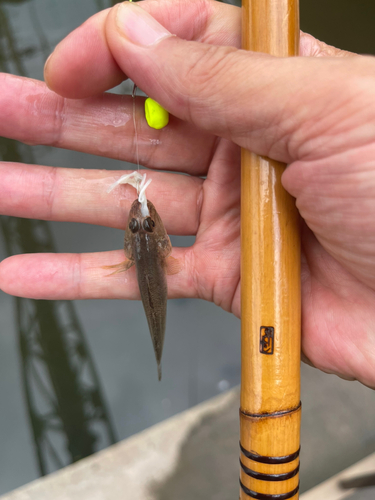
[147, 245]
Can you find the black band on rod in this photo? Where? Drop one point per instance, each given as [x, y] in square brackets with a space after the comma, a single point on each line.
[274, 414]
[270, 460]
[269, 477]
[264, 496]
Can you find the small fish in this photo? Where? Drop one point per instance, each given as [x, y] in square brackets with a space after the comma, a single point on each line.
[147, 245]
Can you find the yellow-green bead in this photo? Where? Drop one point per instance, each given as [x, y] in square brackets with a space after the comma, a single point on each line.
[156, 116]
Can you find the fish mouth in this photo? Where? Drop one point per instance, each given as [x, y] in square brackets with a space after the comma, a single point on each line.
[135, 210]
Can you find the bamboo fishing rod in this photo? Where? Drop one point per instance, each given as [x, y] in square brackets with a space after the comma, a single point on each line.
[270, 411]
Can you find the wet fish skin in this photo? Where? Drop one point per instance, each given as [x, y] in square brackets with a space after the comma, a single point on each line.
[147, 245]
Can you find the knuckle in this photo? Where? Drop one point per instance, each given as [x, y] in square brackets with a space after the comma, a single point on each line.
[208, 67]
[48, 187]
[57, 120]
[207, 75]
[51, 111]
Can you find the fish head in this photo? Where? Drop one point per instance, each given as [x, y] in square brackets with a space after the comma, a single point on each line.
[151, 225]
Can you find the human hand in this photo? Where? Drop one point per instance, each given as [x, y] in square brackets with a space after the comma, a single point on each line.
[316, 114]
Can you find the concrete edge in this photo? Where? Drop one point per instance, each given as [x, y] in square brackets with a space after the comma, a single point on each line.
[132, 466]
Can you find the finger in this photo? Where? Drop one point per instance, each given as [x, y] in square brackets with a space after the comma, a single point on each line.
[92, 69]
[221, 192]
[81, 276]
[263, 103]
[100, 71]
[102, 126]
[310, 46]
[83, 66]
[77, 195]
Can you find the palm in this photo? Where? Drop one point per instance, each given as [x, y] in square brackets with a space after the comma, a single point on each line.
[338, 285]
[215, 256]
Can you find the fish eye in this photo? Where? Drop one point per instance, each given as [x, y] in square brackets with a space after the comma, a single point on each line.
[133, 225]
[148, 224]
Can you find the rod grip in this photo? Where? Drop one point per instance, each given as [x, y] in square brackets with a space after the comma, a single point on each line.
[269, 466]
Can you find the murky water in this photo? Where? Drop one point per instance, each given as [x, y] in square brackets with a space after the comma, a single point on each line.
[77, 376]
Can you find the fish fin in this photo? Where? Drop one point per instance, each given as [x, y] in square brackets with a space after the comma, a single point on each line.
[120, 268]
[173, 266]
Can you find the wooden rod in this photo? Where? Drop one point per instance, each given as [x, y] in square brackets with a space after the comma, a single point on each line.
[270, 288]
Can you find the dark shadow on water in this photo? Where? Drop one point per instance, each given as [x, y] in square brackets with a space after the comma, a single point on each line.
[363, 481]
[363, 494]
[66, 406]
[64, 399]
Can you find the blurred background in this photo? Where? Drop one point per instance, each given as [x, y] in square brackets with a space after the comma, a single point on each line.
[78, 376]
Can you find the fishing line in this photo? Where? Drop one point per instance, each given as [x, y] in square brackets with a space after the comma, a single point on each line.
[135, 179]
[135, 130]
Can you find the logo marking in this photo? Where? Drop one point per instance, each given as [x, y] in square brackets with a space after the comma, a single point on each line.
[267, 339]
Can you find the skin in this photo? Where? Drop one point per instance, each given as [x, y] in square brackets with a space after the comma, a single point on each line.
[316, 113]
[147, 245]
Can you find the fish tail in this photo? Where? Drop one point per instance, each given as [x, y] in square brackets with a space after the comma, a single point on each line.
[159, 371]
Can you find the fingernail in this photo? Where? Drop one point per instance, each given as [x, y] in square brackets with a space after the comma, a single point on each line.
[46, 69]
[49, 57]
[138, 26]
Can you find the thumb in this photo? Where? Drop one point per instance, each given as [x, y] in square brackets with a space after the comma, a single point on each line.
[256, 100]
